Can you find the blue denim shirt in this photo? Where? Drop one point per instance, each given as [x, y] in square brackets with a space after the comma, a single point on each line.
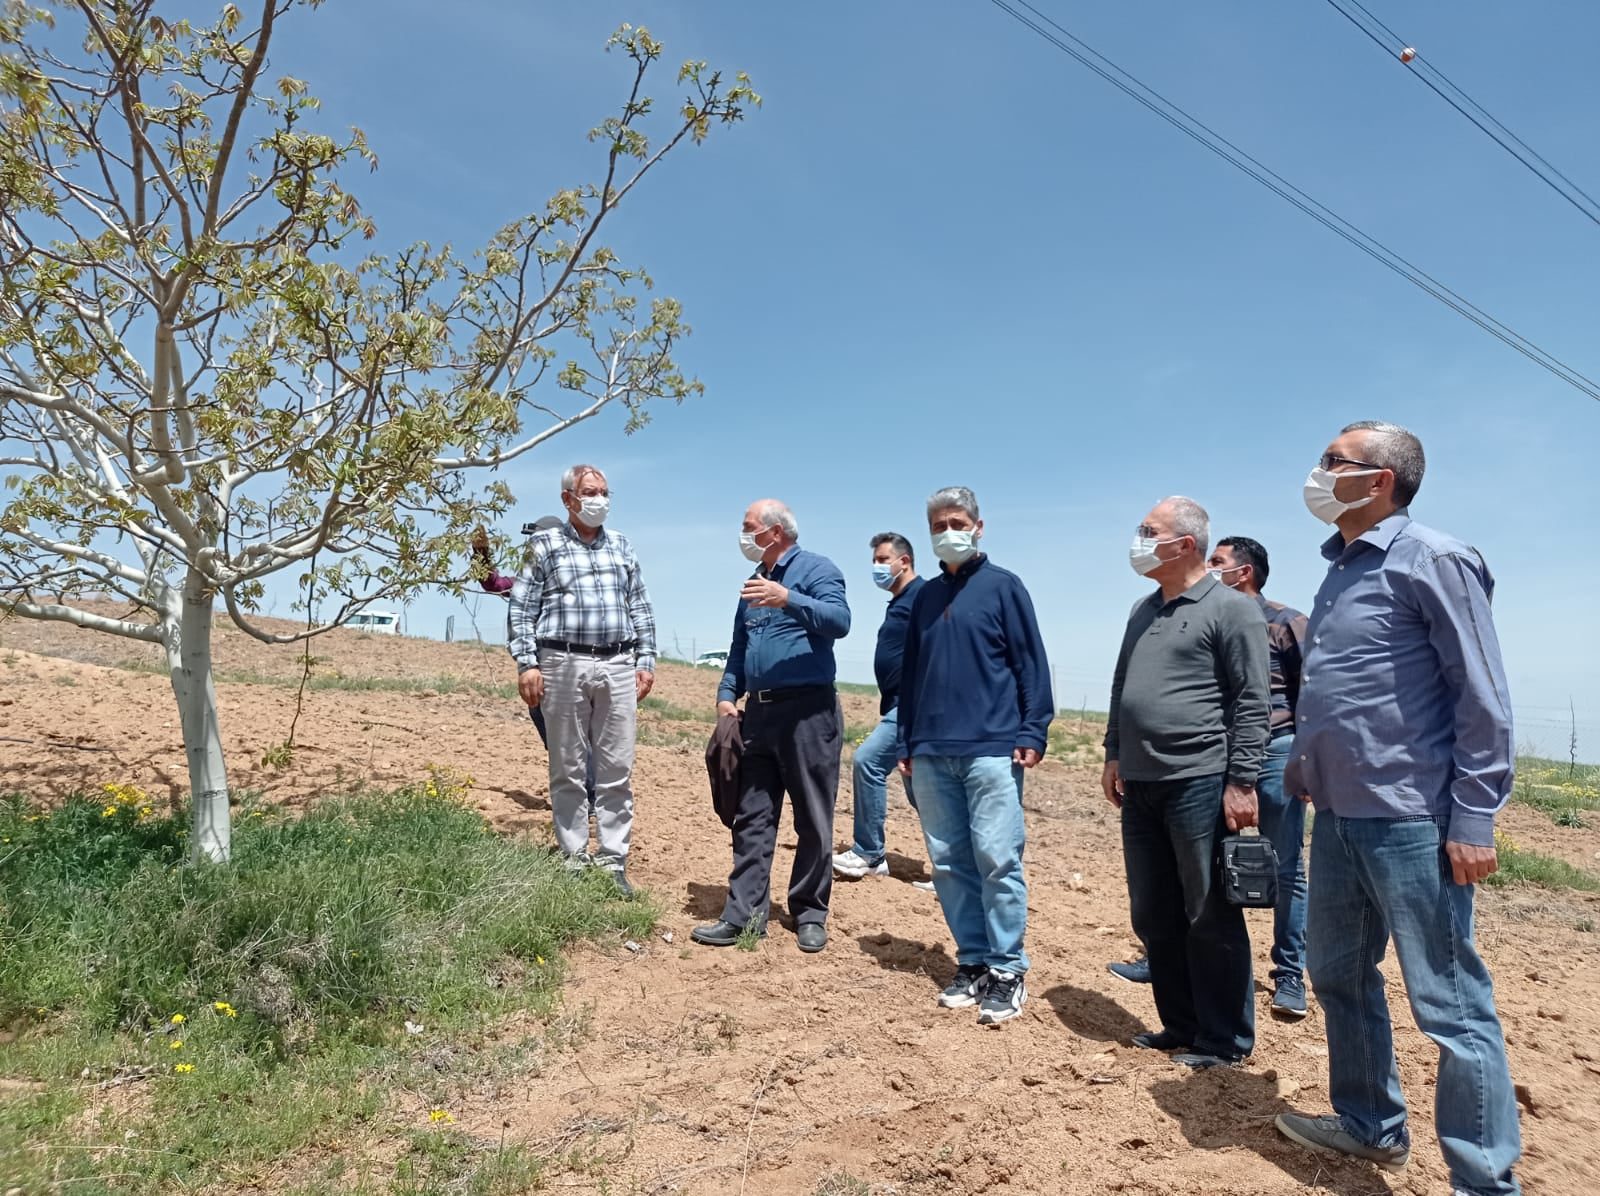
[791, 646]
[1404, 710]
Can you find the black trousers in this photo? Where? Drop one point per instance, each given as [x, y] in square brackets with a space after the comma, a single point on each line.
[790, 747]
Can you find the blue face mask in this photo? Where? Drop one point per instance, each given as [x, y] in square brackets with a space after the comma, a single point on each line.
[883, 576]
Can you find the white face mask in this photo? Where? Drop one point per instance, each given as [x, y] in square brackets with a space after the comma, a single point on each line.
[747, 545]
[1221, 574]
[955, 547]
[1142, 554]
[1319, 496]
[593, 509]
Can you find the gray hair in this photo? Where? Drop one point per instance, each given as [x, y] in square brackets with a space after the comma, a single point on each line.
[771, 512]
[954, 496]
[1391, 447]
[901, 545]
[570, 479]
[1189, 518]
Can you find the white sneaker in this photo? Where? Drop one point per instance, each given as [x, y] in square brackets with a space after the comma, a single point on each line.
[848, 863]
[925, 885]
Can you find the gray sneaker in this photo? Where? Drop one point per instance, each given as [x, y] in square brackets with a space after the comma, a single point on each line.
[1003, 999]
[970, 983]
[1327, 1135]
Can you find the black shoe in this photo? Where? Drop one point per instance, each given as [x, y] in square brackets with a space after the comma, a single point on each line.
[1137, 972]
[1160, 1040]
[812, 937]
[620, 879]
[1200, 1061]
[717, 934]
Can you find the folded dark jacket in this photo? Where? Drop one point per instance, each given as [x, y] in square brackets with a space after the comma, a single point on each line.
[723, 753]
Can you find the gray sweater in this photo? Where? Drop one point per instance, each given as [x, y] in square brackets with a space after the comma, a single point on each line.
[1191, 696]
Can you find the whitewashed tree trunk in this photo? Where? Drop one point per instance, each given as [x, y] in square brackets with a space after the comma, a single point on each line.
[186, 628]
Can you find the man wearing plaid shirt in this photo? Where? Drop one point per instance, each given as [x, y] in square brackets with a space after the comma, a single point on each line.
[582, 633]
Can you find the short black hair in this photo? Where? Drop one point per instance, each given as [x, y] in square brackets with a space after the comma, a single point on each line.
[901, 545]
[1248, 552]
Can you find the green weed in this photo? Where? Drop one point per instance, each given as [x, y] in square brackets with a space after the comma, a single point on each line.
[253, 1009]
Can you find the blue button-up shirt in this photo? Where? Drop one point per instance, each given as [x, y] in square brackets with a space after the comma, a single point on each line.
[1404, 710]
[790, 646]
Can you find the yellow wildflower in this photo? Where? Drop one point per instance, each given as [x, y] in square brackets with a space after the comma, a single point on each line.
[225, 1009]
[109, 812]
[440, 1115]
[539, 959]
[175, 1045]
[178, 1019]
[183, 1069]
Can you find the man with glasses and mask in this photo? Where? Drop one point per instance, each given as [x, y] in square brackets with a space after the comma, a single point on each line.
[893, 569]
[1403, 742]
[1240, 563]
[975, 711]
[583, 635]
[790, 612]
[1184, 741]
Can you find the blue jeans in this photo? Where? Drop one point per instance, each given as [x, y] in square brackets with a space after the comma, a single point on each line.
[876, 758]
[1197, 942]
[971, 809]
[1373, 878]
[1283, 822]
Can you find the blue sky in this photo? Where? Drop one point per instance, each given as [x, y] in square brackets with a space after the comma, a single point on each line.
[942, 253]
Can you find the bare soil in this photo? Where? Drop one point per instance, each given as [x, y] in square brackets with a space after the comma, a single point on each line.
[707, 1071]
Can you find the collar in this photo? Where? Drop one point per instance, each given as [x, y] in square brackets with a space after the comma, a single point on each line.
[572, 534]
[1380, 535]
[968, 567]
[788, 555]
[907, 591]
[1195, 592]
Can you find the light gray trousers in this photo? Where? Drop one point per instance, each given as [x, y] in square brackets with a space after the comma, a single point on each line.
[591, 705]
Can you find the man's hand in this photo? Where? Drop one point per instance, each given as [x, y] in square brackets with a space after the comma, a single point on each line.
[1026, 757]
[1470, 863]
[1239, 806]
[763, 591]
[905, 767]
[645, 680]
[530, 684]
[727, 710]
[1111, 782]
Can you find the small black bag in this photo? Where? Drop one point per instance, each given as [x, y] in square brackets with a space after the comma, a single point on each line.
[1249, 871]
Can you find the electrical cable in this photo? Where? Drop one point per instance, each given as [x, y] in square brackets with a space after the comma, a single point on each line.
[1193, 127]
[1422, 70]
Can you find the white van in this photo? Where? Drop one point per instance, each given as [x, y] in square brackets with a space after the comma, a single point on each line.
[378, 622]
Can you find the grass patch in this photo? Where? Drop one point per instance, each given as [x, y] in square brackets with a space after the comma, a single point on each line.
[189, 1025]
[670, 712]
[1564, 791]
[1521, 866]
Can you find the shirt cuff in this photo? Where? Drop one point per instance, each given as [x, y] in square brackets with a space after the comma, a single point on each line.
[645, 663]
[1241, 777]
[1473, 827]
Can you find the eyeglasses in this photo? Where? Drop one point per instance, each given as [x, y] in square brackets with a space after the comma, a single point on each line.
[1329, 460]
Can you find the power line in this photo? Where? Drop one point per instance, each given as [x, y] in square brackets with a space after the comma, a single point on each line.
[1192, 126]
[1424, 70]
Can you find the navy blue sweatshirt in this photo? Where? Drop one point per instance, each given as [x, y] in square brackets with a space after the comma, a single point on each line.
[892, 645]
[975, 679]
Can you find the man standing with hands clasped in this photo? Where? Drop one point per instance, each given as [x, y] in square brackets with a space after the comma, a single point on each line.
[789, 615]
[1184, 741]
[1404, 745]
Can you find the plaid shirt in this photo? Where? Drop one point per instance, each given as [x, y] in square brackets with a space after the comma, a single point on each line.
[582, 593]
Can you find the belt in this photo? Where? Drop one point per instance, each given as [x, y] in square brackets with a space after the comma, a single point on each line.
[615, 649]
[764, 696]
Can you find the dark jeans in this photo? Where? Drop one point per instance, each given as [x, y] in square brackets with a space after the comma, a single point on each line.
[537, 714]
[789, 747]
[1199, 949]
[1283, 822]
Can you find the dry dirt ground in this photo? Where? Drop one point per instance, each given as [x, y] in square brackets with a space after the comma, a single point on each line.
[707, 1071]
